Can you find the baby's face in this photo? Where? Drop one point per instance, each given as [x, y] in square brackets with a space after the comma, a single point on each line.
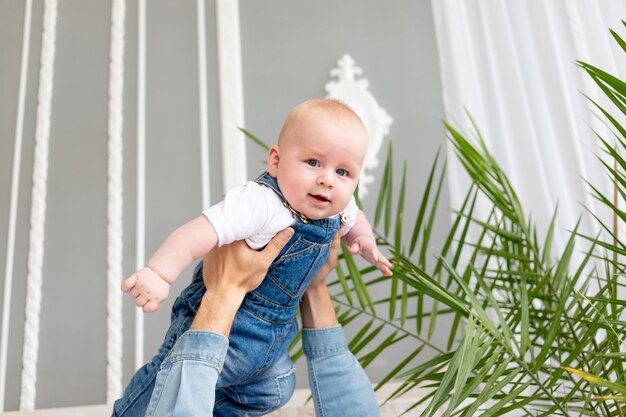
[318, 163]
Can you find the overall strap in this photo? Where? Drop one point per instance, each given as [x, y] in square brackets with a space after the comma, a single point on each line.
[269, 181]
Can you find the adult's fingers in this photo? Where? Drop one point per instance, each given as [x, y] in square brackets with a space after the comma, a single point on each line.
[334, 251]
[334, 244]
[275, 245]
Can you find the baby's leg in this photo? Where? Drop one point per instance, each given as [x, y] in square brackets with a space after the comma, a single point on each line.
[262, 395]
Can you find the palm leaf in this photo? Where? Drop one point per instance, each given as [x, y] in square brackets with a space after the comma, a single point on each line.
[521, 329]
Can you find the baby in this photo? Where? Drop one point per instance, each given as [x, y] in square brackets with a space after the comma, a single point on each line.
[311, 176]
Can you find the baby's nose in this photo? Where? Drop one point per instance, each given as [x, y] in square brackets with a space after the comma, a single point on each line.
[326, 180]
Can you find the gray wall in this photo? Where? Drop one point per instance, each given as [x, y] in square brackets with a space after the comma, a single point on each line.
[288, 48]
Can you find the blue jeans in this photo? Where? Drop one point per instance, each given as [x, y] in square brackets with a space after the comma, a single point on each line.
[256, 379]
[188, 377]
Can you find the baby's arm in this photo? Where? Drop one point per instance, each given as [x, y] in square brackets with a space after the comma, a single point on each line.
[150, 285]
[360, 240]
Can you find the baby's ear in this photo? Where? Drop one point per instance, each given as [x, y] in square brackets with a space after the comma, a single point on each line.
[272, 160]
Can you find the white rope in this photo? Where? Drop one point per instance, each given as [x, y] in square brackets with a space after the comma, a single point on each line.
[15, 181]
[204, 112]
[140, 243]
[115, 203]
[38, 209]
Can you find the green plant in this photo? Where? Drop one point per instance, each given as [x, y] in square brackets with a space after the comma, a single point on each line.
[524, 337]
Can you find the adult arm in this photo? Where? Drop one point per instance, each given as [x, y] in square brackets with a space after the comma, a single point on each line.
[338, 382]
[185, 384]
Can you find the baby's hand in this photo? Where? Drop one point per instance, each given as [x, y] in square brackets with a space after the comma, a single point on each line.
[148, 289]
[366, 247]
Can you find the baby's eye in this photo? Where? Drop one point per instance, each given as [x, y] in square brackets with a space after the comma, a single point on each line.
[313, 162]
[341, 172]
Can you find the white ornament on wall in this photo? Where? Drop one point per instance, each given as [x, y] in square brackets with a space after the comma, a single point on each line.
[355, 93]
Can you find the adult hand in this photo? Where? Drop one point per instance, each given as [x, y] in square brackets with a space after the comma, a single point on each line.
[316, 308]
[229, 272]
[331, 263]
[237, 267]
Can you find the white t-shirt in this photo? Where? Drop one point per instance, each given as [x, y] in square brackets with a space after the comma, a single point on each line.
[255, 213]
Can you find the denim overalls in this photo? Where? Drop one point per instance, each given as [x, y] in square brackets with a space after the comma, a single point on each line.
[258, 375]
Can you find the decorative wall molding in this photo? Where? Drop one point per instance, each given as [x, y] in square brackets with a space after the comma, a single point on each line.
[15, 182]
[234, 172]
[140, 227]
[38, 208]
[203, 105]
[355, 93]
[115, 202]
[231, 93]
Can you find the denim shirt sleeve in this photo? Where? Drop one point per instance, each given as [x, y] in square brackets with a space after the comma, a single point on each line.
[338, 382]
[185, 384]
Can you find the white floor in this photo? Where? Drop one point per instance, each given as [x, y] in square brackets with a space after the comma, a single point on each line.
[297, 407]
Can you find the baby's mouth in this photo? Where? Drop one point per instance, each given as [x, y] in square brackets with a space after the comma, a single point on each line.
[320, 198]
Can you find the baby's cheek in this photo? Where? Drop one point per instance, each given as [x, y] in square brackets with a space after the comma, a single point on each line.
[341, 201]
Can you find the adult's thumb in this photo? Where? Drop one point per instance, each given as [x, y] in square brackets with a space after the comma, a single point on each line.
[275, 245]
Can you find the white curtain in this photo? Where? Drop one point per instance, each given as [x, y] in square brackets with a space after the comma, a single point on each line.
[512, 65]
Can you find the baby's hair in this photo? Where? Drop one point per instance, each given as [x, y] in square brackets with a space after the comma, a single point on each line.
[332, 106]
